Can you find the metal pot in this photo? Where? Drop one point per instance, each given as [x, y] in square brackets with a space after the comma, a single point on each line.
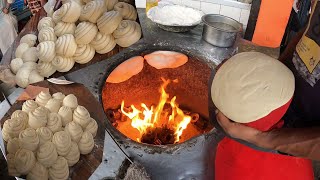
[220, 30]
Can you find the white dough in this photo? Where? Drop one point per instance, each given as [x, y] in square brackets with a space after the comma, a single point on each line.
[29, 106]
[62, 141]
[84, 53]
[74, 155]
[21, 49]
[30, 55]
[13, 127]
[75, 131]
[59, 96]
[13, 145]
[109, 22]
[85, 32]
[127, 11]
[60, 169]
[70, 101]
[53, 105]
[86, 143]
[42, 98]
[127, 33]
[92, 11]
[81, 116]
[54, 122]
[30, 39]
[24, 161]
[92, 127]
[38, 172]
[103, 43]
[29, 139]
[16, 64]
[35, 77]
[66, 115]
[47, 34]
[46, 51]
[38, 118]
[66, 45]
[45, 69]
[45, 22]
[44, 134]
[47, 154]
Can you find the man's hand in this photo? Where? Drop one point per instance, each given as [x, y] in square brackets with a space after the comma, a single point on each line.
[5, 10]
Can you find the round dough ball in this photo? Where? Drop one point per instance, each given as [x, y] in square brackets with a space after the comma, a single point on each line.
[92, 127]
[74, 154]
[29, 106]
[63, 28]
[47, 34]
[70, 101]
[46, 51]
[11, 167]
[45, 22]
[257, 85]
[109, 22]
[29, 139]
[22, 76]
[84, 54]
[63, 64]
[109, 4]
[44, 134]
[13, 145]
[86, 143]
[16, 64]
[66, 115]
[127, 33]
[38, 118]
[166, 59]
[23, 47]
[92, 11]
[103, 43]
[54, 122]
[38, 172]
[85, 32]
[53, 105]
[47, 154]
[60, 169]
[66, 45]
[30, 55]
[45, 69]
[59, 96]
[62, 141]
[35, 77]
[75, 131]
[42, 98]
[22, 115]
[24, 161]
[81, 116]
[68, 12]
[127, 11]
[13, 127]
[30, 39]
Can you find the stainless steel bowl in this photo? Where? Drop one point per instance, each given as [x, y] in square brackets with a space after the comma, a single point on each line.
[220, 30]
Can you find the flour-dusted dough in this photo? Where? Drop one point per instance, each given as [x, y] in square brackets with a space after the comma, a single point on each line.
[54, 122]
[35, 77]
[59, 96]
[81, 116]
[127, 11]
[29, 139]
[166, 59]
[84, 54]
[109, 22]
[46, 51]
[70, 101]
[68, 12]
[20, 114]
[21, 49]
[257, 85]
[126, 70]
[64, 28]
[30, 39]
[66, 45]
[85, 32]
[11, 167]
[127, 33]
[30, 55]
[103, 43]
[63, 64]
[29, 106]
[38, 172]
[47, 34]
[47, 154]
[92, 11]
[16, 64]
[60, 169]
[13, 127]
[62, 141]
[44, 134]
[46, 22]
[42, 98]
[45, 69]
[74, 154]
[92, 127]
[13, 145]
[38, 118]
[22, 76]
[110, 4]
[86, 143]
[66, 115]
[53, 105]
[24, 160]
[75, 131]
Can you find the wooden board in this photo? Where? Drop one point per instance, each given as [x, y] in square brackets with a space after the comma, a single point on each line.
[87, 163]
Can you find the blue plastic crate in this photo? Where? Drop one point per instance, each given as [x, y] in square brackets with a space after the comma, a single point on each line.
[18, 5]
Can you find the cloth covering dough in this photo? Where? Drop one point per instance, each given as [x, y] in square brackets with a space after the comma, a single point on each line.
[250, 85]
[166, 59]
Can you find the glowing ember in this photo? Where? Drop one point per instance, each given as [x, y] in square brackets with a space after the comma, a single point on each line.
[159, 117]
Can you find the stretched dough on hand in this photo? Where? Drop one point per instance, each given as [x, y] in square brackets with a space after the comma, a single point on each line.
[45, 22]
[86, 143]
[92, 11]
[38, 172]
[166, 59]
[70, 101]
[74, 154]
[85, 32]
[75, 131]
[257, 85]
[44, 134]
[103, 43]
[47, 34]
[30, 39]
[66, 45]
[127, 33]
[30, 55]
[127, 11]
[62, 141]
[81, 116]
[29, 139]
[63, 28]
[47, 154]
[84, 53]
[109, 22]
[126, 70]
[23, 47]
[24, 161]
[54, 122]
[46, 51]
[60, 169]
[66, 115]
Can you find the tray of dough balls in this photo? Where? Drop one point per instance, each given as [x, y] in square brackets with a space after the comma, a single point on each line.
[77, 34]
[55, 134]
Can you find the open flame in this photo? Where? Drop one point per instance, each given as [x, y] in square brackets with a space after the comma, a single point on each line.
[158, 117]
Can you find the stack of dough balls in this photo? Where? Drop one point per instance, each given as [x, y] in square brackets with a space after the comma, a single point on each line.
[47, 136]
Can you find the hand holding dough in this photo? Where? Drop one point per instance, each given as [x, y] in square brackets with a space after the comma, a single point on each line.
[42, 98]
[81, 116]
[44, 134]
[24, 161]
[70, 101]
[74, 154]
[60, 169]
[86, 143]
[166, 59]
[23, 47]
[127, 33]
[66, 115]
[47, 34]
[63, 64]
[53, 105]
[54, 122]
[103, 43]
[109, 22]
[47, 154]
[30, 39]
[38, 118]
[46, 51]
[92, 127]
[66, 45]
[29, 139]
[75, 131]
[45, 22]
[29, 106]
[85, 32]
[127, 11]
[38, 172]
[62, 141]
[92, 11]
[84, 54]
[63, 28]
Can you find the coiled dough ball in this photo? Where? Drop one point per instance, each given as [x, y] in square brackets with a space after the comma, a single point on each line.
[84, 53]
[127, 11]
[92, 11]
[45, 69]
[70, 101]
[29, 139]
[22, 76]
[74, 154]
[127, 33]
[45, 22]
[30, 39]
[109, 22]
[20, 114]
[42, 98]
[64, 28]
[68, 12]
[60, 169]
[12, 128]
[38, 172]
[11, 167]
[13, 145]
[16, 64]
[92, 127]
[81, 116]
[66, 45]
[54, 122]
[62, 141]
[47, 154]
[66, 115]
[63, 64]
[53, 105]
[35, 77]
[46, 51]
[110, 4]
[24, 161]
[86, 143]
[59, 96]
[30, 55]
[44, 134]
[85, 32]
[47, 34]
[75, 131]
[38, 118]
[23, 47]
[103, 43]
[29, 106]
